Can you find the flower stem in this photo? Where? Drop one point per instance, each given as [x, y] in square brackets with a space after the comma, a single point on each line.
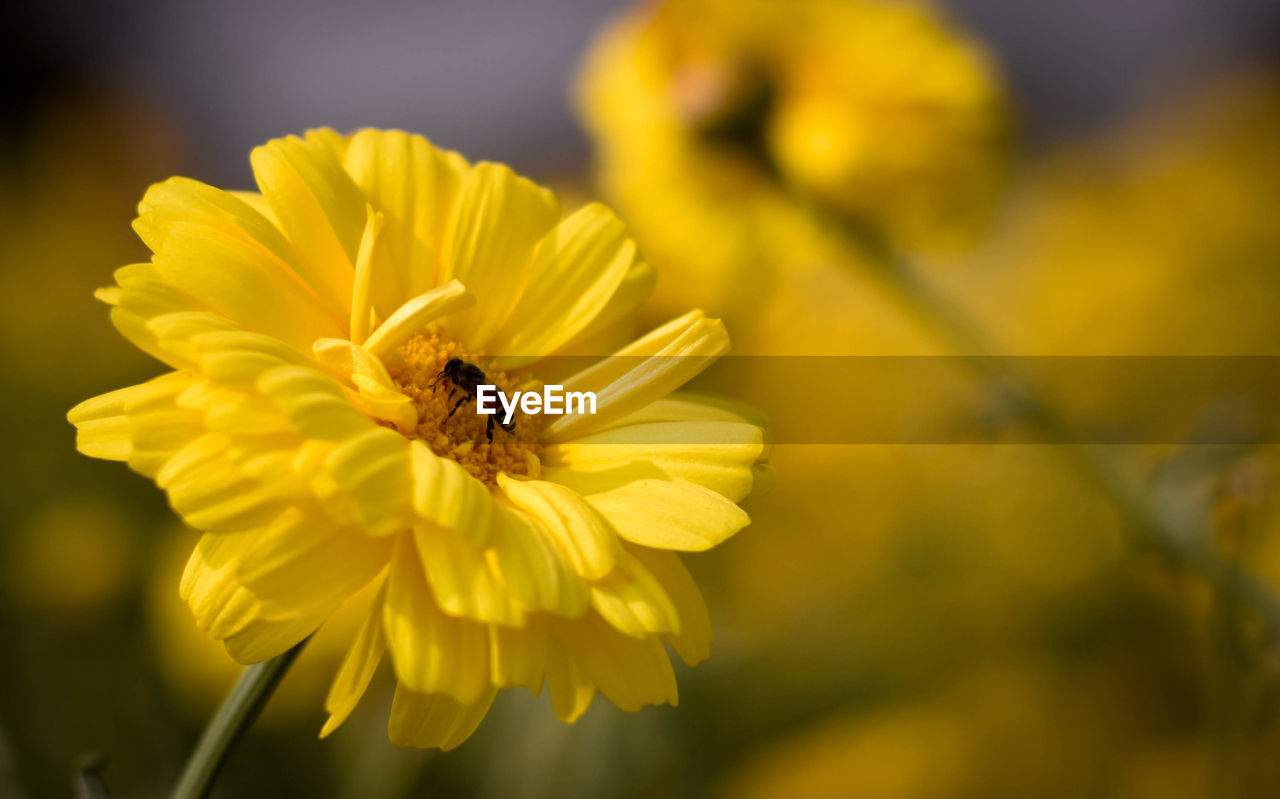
[236, 714]
[1186, 541]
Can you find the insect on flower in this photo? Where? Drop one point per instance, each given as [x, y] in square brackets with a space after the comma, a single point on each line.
[467, 377]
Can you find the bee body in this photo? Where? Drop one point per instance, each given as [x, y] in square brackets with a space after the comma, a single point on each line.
[467, 377]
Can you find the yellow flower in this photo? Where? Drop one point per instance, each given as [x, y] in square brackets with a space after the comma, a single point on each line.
[300, 430]
[710, 115]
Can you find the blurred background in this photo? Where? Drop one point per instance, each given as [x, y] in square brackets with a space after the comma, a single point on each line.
[1088, 178]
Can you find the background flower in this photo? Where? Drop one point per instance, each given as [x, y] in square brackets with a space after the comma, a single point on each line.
[715, 122]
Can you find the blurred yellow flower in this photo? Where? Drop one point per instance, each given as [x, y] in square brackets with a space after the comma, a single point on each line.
[711, 116]
[304, 430]
[1157, 239]
[1013, 728]
[910, 754]
[73, 555]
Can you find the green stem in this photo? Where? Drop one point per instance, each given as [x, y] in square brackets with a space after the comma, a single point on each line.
[1186, 541]
[236, 714]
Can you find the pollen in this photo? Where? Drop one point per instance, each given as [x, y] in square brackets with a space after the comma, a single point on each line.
[462, 437]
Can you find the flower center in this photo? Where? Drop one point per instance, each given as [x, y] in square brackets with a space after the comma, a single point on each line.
[464, 435]
[730, 107]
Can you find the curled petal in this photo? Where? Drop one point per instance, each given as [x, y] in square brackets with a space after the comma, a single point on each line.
[411, 317]
[646, 371]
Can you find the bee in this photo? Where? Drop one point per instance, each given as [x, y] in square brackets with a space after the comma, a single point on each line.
[466, 377]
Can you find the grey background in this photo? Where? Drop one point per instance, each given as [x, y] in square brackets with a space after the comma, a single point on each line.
[493, 78]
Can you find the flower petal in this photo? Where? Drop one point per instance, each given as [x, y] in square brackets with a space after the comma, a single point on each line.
[208, 490]
[446, 495]
[107, 438]
[715, 455]
[693, 642]
[369, 482]
[576, 270]
[592, 548]
[614, 326]
[373, 390]
[415, 186]
[140, 295]
[631, 672]
[234, 412]
[262, 640]
[435, 720]
[361, 303]
[532, 567]
[518, 655]
[103, 429]
[301, 563]
[462, 581]
[432, 652]
[633, 601]
[411, 317]
[222, 607]
[669, 514]
[319, 209]
[212, 246]
[146, 415]
[570, 690]
[499, 219]
[229, 612]
[648, 370]
[683, 406]
[222, 212]
[313, 402]
[217, 347]
[357, 669]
